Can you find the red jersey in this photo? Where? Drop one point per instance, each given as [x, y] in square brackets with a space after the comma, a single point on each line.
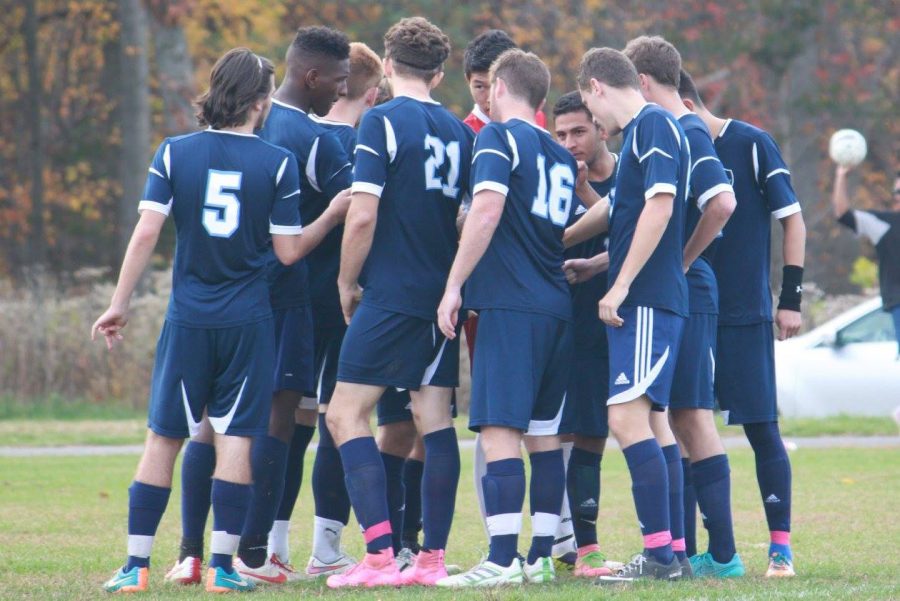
[478, 119]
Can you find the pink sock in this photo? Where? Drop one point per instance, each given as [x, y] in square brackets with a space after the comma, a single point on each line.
[780, 537]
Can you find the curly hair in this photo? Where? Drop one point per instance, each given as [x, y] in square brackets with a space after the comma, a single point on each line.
[417, 47]
[238, 79]
[321, 41]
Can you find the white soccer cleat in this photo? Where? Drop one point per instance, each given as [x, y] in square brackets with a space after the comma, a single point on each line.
[267, 573]
[316, 567]
[186, 571]
[486, 574]
[540, 571]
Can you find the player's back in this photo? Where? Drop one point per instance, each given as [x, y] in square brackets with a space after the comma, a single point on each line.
[415, 156]
[223, 189]
[522, 267]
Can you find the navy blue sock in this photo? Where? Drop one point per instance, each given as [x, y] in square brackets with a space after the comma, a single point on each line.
[412, 516]
[504, 495]
[366, 485]
[293, 471]
[439, 483]
[546, 490]
[690, 509]
[773, 472]
[197, 467]
[583, 486]
[268, 457]
[393, 474]
[650, 489]
[329, 489]
[672, 455]
[712, 480]
[146, 505]
[230, 501]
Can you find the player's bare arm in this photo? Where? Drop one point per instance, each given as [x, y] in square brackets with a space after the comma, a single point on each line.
[840, 197]
[794, 253]
[583, 189]
[716, 213]
[290, 249]
[579, 271]
[594, 222]
[358, 233]
[649, 231]
[137, 256]
[481, 222]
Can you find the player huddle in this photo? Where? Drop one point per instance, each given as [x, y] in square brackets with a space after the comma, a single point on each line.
[337, 238]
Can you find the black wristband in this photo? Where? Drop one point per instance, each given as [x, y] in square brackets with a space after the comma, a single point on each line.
[791, 288]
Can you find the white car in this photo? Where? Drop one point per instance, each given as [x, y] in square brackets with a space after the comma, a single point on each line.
[848, 365]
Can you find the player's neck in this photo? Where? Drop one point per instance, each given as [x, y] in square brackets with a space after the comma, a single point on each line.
[671, 101]
[290, 94]
[627, 103]
[411, 87]
[713, 123]
[517, 110]
[343, 111]
[602, 168]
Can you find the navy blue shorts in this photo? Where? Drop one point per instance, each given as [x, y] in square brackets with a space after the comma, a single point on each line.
[394, 407]
[294, 368]
[521, 371]
[585, 413]
[745, 374]
[225, 371]
[328, 350]
[692, 387]
[642, 355]
[383, 348]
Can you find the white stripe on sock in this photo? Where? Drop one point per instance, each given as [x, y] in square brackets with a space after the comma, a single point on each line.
[222, 543]
[139, 545]
[505, 523]
[544, 524]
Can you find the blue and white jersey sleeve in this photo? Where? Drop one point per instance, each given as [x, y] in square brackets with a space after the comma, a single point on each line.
[708, 177]
[656, 146]
[329, 169]
[158, 189]
[773, 177]
[285, 217]
[493, 160]
[376, 147]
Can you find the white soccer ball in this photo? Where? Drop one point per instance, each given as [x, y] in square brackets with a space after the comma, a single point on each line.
[847, 147]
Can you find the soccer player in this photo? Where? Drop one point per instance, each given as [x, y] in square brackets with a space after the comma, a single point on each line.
[585, 411]
[233, 198]
[745, 361]
[510, 259]
[646, 304]
[411, 173]
[710, 204]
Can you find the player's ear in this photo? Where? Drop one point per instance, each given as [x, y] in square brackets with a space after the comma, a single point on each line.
[370, 97]
[388, 65]
[595, 87]
[437, 79]
[688, 104]
[312, 78]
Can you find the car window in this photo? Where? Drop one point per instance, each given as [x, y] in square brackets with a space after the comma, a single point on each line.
[876, 326]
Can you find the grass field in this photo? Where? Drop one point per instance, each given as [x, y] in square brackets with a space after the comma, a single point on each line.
[62, 533]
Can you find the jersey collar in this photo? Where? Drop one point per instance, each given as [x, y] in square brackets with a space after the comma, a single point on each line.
[423, 100]
[724, 127]
[482, 116]
[231, 133]
[318, 119]
[288, 106]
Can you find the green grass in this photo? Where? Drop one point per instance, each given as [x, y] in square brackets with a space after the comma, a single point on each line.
[56, 407]
[62, 533]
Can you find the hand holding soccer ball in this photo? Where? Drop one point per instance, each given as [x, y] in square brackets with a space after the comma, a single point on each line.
[847, 148]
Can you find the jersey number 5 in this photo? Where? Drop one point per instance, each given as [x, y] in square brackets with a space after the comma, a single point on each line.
[442, 152]
[222, 210]
[555, 202]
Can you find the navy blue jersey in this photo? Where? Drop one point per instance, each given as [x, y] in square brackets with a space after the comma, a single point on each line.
[655, 159]
[415, 156]
[227, 192]
[589, 331]
[522, 266]
[324, 171]
[762, 187]
[345, 133]
[708, 178]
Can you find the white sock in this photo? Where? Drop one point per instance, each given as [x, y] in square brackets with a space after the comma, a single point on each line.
[326, 539]
[139, 545]
[565, 530]
[278, 540]
[479, 471]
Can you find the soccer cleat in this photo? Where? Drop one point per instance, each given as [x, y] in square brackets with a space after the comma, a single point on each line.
[376, 569]
[218, 580]
[405, 559]
[540, 571]
[591, 563]
[427, 570]
[780, 566]
[186, 571]
[565, 552]
[486, 573]
[341, 564]
[687, 572]
[704, 566]
[267, 573]
[286, 568]
[133, 581]
[643, 567]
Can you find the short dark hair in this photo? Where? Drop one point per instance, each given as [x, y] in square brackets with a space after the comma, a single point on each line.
[609, 66]
[656, 57]
[417, 47]
[321, 41]
[237, 80]
[365, 70]
[525, 74]
[482, 51]
[571, 102]
[688, 89]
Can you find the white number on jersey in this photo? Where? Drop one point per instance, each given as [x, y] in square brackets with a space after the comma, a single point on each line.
[442, 152]
[222, 210]
[555, 203]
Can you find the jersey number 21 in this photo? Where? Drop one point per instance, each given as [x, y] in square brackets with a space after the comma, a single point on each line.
[442, 153]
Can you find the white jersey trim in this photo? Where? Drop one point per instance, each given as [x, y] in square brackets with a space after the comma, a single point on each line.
[489, 185]
[490, 151]
[661, 188]
[547, 427]
[366, 187]
[158, 207]
[285, 230]
[709, 194]
[786, 211]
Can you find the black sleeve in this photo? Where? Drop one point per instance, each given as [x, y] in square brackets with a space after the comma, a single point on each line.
[848, 219]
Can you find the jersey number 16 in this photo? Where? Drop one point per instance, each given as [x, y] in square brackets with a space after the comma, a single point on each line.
[554, 201]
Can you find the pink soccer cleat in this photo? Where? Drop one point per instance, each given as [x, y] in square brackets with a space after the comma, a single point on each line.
[376, 569]
[591, 563]
[428, 569]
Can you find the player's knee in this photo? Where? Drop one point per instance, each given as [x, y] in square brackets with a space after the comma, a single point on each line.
[306, 417]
